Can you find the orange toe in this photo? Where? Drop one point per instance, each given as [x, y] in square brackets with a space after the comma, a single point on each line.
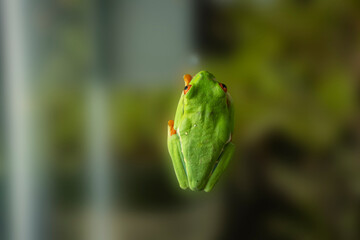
[187, 79]
[171, 126]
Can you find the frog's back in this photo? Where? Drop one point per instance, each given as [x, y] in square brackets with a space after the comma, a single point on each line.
[203, 132]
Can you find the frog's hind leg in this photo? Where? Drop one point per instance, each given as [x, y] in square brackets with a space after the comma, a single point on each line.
[174, 147]
[222, 163]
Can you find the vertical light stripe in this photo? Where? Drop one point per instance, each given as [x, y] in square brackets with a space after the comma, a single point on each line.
[17, 104]
[99, 169]
[100, 223]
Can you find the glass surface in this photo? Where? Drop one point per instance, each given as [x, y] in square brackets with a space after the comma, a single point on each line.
[88, 88]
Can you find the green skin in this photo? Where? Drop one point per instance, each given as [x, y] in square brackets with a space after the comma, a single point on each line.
[201, 148]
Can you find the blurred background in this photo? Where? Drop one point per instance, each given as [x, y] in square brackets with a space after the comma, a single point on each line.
[87, 88]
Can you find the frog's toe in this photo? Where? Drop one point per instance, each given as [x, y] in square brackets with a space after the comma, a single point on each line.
[187, 79]
[172, 131]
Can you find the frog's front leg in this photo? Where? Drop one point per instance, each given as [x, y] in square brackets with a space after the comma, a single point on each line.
[222, 163]
[176, 155]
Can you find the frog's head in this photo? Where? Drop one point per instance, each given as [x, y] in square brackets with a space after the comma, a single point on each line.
[203, 87]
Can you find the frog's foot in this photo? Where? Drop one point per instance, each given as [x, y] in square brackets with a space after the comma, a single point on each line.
[177, 158]
[187, 79]
[220, 166]
[172, 131]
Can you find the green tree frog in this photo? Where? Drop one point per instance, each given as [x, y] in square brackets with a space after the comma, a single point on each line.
[200, 137]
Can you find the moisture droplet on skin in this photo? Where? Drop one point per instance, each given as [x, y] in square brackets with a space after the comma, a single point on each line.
[195, 125]
[186, 133]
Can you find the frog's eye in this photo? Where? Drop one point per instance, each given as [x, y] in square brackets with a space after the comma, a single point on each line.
[223, 86]
[187, 88]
